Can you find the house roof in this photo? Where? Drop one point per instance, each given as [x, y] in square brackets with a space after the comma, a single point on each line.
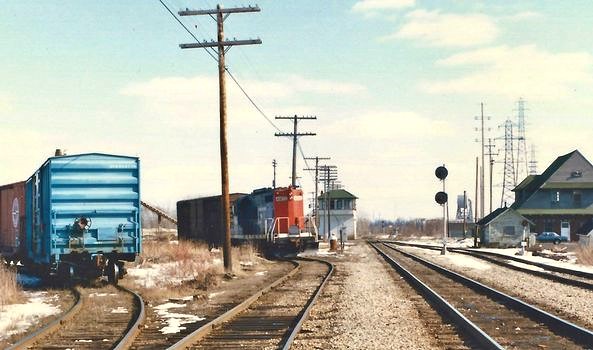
[486, 219]
[490, 217]
[533, 182]
[339, 194]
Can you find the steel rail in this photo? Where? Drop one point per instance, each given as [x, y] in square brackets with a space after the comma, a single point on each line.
[52, 326]
[443, 307]
[307, 311]
[133, 331]
[494, 259]
[583, 274]
[203, 331]
[560, 326]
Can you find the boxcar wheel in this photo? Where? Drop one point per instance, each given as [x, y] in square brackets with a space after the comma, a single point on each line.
[112, 273]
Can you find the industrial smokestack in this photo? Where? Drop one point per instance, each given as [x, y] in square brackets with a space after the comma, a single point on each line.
[60, 152]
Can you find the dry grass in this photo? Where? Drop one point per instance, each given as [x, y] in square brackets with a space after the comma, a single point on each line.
[10, 290]
[190, 268]
[584, 255]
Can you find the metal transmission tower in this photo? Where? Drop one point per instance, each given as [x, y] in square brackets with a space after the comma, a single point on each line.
[509, 180]
[533, 162]
[295, 134]
[522, 167]
[481, 129]
[316, 170]
[222, 46]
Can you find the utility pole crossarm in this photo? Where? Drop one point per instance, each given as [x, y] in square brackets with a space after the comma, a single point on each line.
[291, 118]
[297, 134]
[188, 12]
[222, 43]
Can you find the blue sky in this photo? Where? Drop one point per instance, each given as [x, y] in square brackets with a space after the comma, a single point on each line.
[395, 84]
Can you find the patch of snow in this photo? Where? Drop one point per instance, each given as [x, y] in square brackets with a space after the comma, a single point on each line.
[119, 310]
[528, 257]
[154, 275]
[92, 295]
[525, 266]
[216, 261]
[83, 341]
[16, 318]
[174, 321]
[246, 263]
[261, 273]
[212, 295]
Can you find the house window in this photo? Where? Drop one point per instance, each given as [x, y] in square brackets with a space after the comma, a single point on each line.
[339, 204]
[508, 230]
[347, 203]
[577, 199]
[332, 205]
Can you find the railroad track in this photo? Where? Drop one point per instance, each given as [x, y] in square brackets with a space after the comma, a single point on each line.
[102, 318]
[269, 319]
[487, 317]
[566, 276]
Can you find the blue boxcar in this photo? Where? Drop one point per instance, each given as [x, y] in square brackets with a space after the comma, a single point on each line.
[83, 214]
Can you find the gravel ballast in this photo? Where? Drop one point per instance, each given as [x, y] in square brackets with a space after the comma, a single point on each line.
[362, 308]
[569, 302]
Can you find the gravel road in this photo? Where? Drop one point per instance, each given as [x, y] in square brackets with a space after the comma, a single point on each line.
[362, 308]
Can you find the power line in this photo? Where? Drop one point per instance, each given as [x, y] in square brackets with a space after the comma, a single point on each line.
[249, 98]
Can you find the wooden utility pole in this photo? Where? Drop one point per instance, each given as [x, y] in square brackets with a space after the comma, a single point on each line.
[316, 169]
[295, 134]
[222, 46]
[274, 164]
[329, 173]
[490, 153]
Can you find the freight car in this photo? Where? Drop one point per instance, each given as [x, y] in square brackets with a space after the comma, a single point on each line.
[12, 220]
[272, 218]
[83, 215]
[199, 219]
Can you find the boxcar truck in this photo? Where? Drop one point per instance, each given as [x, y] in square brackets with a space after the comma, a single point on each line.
[83, 215]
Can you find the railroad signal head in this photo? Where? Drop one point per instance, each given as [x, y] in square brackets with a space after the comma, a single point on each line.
[441, 197]
[441, 172]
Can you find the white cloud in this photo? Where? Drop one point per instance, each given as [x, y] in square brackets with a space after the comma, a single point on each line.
[433, 28]
[525, 15]
[374, 5]
[516, 71]
[177, 98]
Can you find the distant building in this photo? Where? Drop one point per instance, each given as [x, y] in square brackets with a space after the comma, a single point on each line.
[342, 214]
[560, 199]
[504, 227]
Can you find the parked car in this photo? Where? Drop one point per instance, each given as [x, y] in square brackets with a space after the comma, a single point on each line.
[550, 237]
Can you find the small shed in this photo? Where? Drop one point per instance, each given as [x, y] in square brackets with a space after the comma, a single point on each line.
[504, 227]
[341, 213]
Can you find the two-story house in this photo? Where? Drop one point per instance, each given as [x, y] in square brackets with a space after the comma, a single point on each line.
[561, 198]
[341, 213]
